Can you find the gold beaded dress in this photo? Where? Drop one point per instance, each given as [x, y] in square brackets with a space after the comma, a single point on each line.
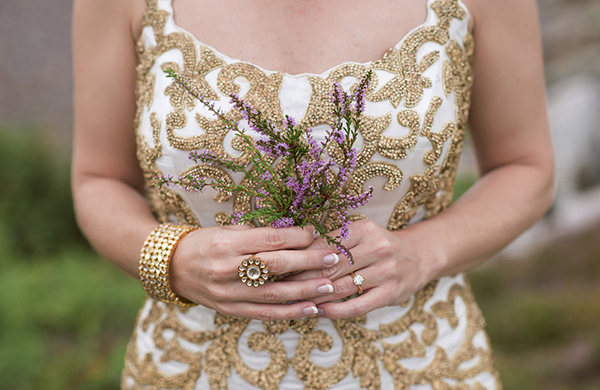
[410, 141]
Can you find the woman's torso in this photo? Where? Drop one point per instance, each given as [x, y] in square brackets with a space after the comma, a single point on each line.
[409, 146]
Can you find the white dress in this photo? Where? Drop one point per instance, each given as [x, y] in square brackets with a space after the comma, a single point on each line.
[409, 145]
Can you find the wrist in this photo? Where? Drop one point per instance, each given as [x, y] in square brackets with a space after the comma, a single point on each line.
[155, 259]
[432, 249]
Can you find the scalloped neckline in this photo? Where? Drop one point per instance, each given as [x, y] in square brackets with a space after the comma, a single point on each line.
[230, 60]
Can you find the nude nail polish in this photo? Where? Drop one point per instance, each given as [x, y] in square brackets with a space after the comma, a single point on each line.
[325, 289]
[310, 311]
[331, 259]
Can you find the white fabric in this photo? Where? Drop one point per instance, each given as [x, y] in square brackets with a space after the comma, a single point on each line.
[294, 97]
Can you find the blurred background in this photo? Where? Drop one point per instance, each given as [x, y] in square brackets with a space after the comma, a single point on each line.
[66, 314]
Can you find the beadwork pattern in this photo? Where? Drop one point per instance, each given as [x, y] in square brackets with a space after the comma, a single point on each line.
[405, 78]
[155, 260]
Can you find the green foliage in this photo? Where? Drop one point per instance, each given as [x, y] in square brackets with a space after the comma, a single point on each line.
[64, 322]
[36, 207]
[543, 314]
[302, 186]
[65, 314]
[462, 185]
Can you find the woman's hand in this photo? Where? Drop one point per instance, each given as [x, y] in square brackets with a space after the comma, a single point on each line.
[394, 265]
[204, 269]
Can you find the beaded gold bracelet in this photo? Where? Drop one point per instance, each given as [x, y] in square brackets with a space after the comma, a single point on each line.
[155, 260]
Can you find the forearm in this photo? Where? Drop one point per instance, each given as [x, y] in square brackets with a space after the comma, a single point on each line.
[115, 218]
[499, 207]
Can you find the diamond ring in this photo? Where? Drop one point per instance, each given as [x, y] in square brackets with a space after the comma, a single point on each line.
[358, 281]
[253, 271]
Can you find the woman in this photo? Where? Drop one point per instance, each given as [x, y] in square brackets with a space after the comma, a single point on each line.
[415, 325]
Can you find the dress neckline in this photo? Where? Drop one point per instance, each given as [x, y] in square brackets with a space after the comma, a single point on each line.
[429, 16]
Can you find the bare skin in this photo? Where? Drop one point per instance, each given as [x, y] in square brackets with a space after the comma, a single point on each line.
[507, 121]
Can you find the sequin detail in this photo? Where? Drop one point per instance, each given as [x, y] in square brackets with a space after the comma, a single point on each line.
[213, 354]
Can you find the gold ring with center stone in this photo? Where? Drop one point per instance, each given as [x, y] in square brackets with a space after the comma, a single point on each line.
[253, 272]
[358, 281]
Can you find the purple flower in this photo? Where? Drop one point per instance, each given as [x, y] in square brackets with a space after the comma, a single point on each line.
[262, 191]
[266, 176]
[306, 186]
[343, 250]
[338, 96]
[237, 217]
[314, 149]
[282, 223]
[204, 156]
[289, 122]
[293, 184]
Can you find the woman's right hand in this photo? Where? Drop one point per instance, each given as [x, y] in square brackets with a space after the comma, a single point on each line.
[204, 269]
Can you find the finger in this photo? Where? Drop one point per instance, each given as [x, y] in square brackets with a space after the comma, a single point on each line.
[283, 262]
[269, 239]
[269, 312]
[361, 305]
[353, 239]
[345, 287]
[236, 227]
[280, 292]
[363, 257]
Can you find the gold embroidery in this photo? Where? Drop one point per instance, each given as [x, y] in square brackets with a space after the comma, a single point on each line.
[394, 147]
[357, 71]
[370, 129]
[372, 169]
[242, 202]
[362, 348]
[359, 355]
[332, 223]
[415, 314]
[223, 219]
[264, 90]
[320, 105]
[155, 18]
[162, 201]
[145, 372]
[145, 90]
[437, 139]
[422, 190]
[462, 80]
[442, 366]
[211, 172]
[317, 377]
[409, 83]
[446, 10]
[356, 182]
[366, 353]
[214, 137]
[195, 73]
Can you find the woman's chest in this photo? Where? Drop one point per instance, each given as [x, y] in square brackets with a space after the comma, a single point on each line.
[300, 36]
[409, 140]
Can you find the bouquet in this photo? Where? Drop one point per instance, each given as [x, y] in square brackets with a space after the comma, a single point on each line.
[306, 184]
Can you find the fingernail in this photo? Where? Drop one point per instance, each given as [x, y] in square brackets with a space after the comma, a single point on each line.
[331, 259]
[310, 311]
[320, 312]
[316, 234]
[325, 289]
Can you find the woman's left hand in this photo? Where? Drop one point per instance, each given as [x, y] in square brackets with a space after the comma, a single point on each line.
[394, 266]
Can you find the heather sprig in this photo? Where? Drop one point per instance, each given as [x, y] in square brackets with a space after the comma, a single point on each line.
[294, 182]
